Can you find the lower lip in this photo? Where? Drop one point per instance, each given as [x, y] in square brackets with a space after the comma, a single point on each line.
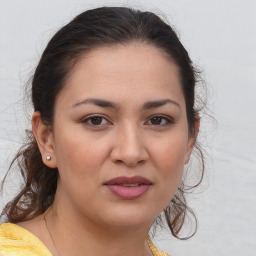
[128, 193]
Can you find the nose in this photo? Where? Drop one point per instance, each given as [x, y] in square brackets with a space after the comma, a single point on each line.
[129, 147]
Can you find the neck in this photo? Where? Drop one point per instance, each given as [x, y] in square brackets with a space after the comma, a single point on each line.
[76, 235]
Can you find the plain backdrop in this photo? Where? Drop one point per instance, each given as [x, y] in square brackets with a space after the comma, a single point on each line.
[220, 37]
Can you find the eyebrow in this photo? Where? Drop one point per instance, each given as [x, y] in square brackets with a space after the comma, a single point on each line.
[98, 102]
[108, 104]
[158, 103]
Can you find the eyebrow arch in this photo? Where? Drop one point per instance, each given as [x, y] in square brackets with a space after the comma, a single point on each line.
[108, 104]
[98, 102]
[159, 103]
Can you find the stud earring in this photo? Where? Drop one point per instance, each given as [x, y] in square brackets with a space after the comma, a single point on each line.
[48, 158]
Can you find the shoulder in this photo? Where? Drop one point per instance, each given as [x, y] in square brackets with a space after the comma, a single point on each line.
[156, 251]
[15, 240]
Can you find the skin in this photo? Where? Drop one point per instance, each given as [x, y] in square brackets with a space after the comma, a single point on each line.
[127, 140]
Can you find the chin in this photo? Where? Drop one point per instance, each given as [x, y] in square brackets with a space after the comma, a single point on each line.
[129, 217]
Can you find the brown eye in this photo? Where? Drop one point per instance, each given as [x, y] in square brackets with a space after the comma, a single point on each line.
[156, 120]
[95, 121]
[160, 121]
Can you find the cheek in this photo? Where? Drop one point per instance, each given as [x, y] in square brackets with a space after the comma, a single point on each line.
[79, 164]
[170, 153]
[78, 155]
[169, 158]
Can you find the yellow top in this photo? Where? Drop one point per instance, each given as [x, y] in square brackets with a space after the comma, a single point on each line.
[17, 241]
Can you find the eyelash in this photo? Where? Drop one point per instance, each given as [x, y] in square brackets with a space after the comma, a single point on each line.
[167, 120]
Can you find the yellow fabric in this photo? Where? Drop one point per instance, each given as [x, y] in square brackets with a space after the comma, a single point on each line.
[155, 250]
[17, 241]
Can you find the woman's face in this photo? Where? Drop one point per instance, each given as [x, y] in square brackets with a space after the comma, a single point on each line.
[120, 136]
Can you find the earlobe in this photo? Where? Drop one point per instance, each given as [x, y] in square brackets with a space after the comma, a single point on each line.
[44, 138]
[192, 139]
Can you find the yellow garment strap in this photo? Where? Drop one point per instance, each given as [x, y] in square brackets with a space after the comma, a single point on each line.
[155, 250]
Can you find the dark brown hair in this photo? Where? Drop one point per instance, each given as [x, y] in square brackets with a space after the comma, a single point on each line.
[91, 29]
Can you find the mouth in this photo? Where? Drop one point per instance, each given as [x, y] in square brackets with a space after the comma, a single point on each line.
[128, 188]
[130, 185]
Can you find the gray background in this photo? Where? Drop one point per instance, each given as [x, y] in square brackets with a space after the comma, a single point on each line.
[221, 38]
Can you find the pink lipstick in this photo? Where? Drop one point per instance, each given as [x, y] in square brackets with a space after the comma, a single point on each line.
[128, 188]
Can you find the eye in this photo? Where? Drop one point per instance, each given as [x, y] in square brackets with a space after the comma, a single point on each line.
[159, 120]
[95, 120]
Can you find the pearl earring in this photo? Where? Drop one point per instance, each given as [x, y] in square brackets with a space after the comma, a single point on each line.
[48, 158]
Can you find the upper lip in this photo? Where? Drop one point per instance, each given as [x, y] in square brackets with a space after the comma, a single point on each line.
[128, 180]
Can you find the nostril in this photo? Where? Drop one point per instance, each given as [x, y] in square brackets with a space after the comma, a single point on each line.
[130, 164]
[129, 150]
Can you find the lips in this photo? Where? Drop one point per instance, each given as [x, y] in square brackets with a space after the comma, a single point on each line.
[128, 188]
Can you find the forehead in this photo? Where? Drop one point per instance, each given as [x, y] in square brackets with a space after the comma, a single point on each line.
[135, 70]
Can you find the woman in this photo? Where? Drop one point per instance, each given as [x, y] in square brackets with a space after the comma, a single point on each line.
[114, 124]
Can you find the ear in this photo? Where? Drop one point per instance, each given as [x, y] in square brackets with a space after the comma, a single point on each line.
[192, 139]
[44, 138]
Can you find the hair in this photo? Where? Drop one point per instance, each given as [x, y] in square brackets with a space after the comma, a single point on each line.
[93, 29]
